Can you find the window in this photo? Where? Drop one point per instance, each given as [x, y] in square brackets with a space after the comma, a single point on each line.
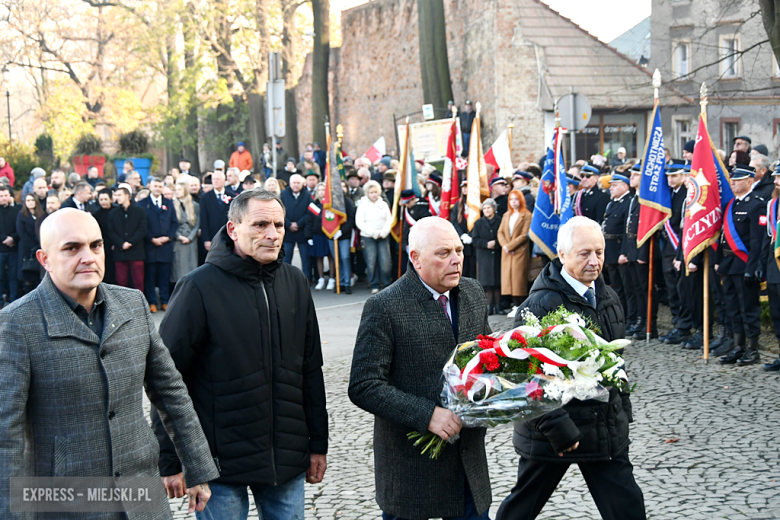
[775, 66]
[729, 129]
[681, 58]
[683, 132]
[729, 56]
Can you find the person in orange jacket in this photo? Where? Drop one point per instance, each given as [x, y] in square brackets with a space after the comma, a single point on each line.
[241, 158]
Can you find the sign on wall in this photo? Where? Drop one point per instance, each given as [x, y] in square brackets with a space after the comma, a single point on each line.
[429, 139]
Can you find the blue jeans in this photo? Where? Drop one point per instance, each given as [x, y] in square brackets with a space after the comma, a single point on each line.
[378, 262]
[303, 250]
[471, 511]
[345, 266]
[10, 261]
[285, 502]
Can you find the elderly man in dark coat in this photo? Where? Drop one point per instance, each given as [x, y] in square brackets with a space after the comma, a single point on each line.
[406, 334]
[592, 434]
[75, 359]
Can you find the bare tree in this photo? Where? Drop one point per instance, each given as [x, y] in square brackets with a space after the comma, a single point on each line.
[319, 74]
[434, 63]
[770, 13]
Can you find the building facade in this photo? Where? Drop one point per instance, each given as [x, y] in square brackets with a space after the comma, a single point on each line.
[724, 44]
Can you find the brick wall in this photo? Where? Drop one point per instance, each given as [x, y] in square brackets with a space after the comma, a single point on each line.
[375, 74]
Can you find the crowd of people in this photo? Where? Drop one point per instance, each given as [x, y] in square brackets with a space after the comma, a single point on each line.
[160, 230]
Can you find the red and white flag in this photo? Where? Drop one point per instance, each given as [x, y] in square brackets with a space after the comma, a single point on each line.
[500, 155]
[377, 151]
[450, 189]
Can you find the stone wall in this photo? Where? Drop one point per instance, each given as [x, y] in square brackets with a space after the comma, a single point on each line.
[375, 74]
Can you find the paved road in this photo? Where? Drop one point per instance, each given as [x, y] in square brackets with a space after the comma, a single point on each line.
[704, 437]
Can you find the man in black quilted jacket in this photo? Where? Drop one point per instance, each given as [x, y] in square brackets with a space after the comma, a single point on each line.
[592, 434]
[243, 332]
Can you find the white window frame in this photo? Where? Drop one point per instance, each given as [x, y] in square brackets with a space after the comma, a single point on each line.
[679, 143]
[676, 73]
[724, 53]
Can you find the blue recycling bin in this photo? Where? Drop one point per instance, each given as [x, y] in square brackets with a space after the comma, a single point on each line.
[142, 166]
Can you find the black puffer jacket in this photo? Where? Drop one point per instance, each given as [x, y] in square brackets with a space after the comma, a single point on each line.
[601, 428]
[246, 340]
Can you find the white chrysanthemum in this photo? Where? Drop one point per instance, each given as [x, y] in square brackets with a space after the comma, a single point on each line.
[552, 370]
[575, 319]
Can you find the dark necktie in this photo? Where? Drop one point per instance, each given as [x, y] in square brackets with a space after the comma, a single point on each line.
[590, 295]
[443, 301]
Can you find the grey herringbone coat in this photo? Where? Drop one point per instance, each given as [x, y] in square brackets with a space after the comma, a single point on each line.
[71, 404]
[402, 344]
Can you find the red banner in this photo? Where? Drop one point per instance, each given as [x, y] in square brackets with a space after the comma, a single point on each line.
[450, 189]
[703, 213]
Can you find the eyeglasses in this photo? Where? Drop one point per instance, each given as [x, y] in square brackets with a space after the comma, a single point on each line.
[586, 175]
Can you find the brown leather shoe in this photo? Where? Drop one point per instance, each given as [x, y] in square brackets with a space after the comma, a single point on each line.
[164, 306]
[153, 308]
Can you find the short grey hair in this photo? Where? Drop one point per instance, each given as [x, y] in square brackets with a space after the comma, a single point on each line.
[81, 186]
[566, 232]
[489, 202]
[240, 205]
[74, 177]
[235, 170]
[420, 232]
[761, 161]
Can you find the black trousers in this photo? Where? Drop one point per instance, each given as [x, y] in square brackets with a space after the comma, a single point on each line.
[671, 275]
[716, 294]
[774, 306]
[611, 484]
[636, 292]
[617, 280]
[639, 281]
[690, 290]
[743, 313]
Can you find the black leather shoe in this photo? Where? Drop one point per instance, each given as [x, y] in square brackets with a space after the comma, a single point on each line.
[737, 352]
[499, 311]
[716, 342]
[662, 337]
[634, 327]
[642, 333]
[696, 342]
[751, 355]
[677, 336]
[774, 366]
[348, 289]
[726, 346]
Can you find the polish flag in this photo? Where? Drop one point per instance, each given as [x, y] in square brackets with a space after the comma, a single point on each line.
[499, 155]
[377, 151]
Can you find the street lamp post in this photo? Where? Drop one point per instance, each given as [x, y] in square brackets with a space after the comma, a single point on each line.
[7, 81]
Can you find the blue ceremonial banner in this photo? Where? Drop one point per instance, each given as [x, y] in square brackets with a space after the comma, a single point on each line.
[654, 193]
[724, 186]
[553, 205]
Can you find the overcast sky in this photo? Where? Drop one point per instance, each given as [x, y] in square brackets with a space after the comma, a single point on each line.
[605, 19]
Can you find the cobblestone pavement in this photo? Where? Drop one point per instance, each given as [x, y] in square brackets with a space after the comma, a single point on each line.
[704, 444]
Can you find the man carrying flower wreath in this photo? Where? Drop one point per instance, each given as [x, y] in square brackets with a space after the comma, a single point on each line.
[592, 434]
[406, 334]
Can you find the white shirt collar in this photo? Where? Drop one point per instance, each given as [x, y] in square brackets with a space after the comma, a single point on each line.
[435, 293]
[219, 193]
[745, 195]
[577, 285]
[157, 200]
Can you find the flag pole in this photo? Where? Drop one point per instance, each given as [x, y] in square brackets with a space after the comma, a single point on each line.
[401, 187]
[509, 140]
[335, 240]
[656, 86]
[706, 291]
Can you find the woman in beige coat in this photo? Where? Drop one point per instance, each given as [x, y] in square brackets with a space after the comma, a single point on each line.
[515, 248]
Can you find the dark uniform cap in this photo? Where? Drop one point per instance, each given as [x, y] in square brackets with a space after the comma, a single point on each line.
[519, 174]
[637, 167]
[591, 169]
[407, 195]
[742, 171]
[436, 179]
[677, 166]
[498, 180]
[572, 180]
[616, 177]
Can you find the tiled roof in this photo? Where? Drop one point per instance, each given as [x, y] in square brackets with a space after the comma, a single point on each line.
[572, 57]
[635, 42]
